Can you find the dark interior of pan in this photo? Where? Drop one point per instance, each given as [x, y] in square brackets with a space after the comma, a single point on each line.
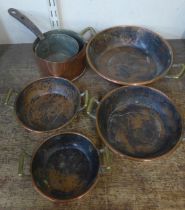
[129, 55]
[47, 104]
[58, 45]
[65, 166]
[139, 122]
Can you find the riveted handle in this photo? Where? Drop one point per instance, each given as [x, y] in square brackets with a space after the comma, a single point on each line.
[179, 74]
[92, 102]
[84, 95]
[26, 22]
[88, 29]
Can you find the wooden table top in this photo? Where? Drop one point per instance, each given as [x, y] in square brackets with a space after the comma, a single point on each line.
[130, 185]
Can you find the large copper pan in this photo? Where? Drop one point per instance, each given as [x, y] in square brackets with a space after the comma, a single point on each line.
[138, 122]
[130, 55]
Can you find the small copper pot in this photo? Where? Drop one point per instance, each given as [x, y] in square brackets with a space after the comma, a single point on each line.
[65, 167]
[73, 67]
[59, 52]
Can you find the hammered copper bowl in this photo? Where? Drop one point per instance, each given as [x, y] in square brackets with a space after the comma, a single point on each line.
[65, 167]
[48, 104]
[140, 123]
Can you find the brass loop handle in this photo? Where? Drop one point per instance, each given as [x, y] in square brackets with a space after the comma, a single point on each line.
[88, 29]
[90, 107]
[106, 159]
[178, 75]
[8, 96]
[21, 163]
[84, 95]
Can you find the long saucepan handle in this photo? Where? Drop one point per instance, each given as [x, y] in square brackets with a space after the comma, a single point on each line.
[26, 22]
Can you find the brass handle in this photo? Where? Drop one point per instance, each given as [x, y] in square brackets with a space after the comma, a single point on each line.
[179, 74]
[90, 29]
[106, 159]
[84, 95]
[21, 163]
[8, 96]
[90, 107]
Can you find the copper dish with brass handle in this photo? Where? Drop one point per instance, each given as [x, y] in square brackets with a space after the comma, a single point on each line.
[137, 122]
[65, 167]
[131, 55]
[49, 104]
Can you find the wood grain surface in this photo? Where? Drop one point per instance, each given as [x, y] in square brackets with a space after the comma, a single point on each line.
[130, 185]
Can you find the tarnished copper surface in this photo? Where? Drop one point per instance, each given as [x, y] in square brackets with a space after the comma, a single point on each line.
[65, 167]
[138, 122]
[66, 183]
[70, 69]
[47, 104]
[129, 55]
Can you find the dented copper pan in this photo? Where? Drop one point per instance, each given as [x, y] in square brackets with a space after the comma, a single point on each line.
[138, 122]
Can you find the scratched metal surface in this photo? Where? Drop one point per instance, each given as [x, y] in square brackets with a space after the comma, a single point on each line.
[129, 186]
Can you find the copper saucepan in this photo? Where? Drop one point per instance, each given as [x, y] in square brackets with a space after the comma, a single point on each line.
[130, 55]
[49, 103]
[65, 167]
[58, 52]
[138, 122]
